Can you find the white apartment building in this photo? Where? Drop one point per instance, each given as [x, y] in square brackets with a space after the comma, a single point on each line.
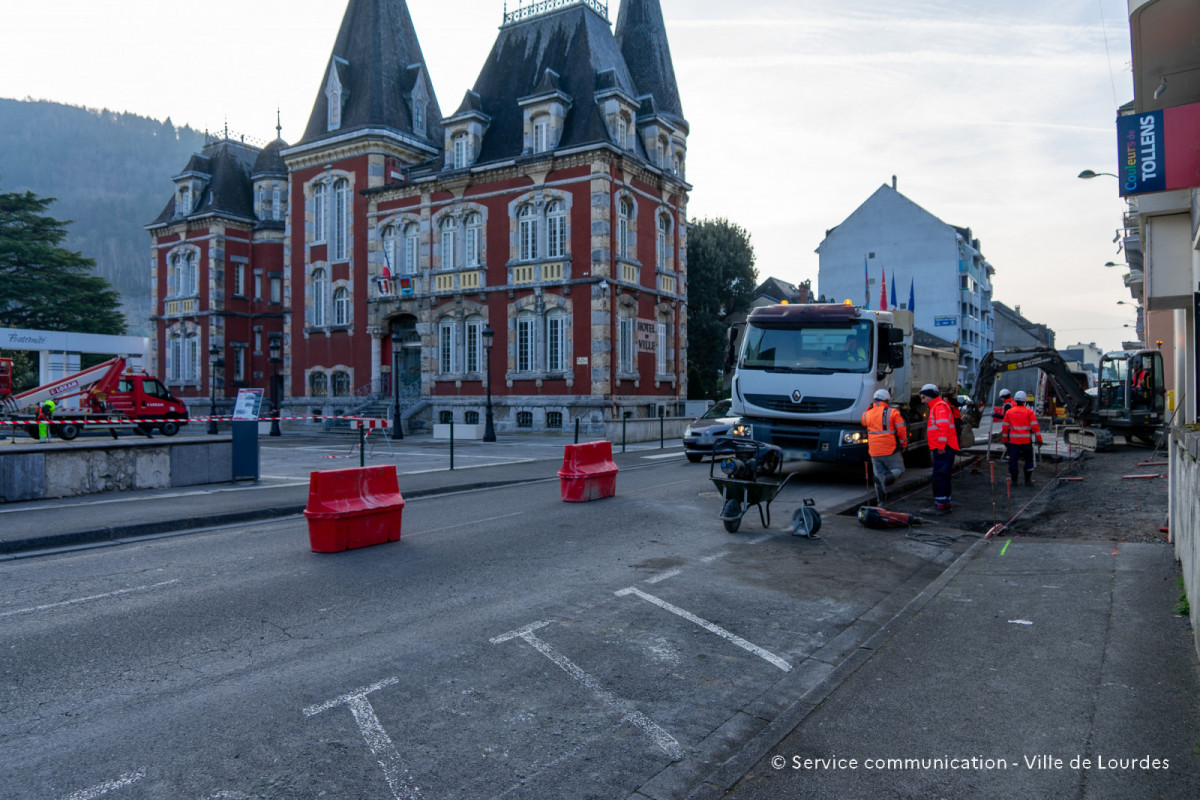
[930, 266]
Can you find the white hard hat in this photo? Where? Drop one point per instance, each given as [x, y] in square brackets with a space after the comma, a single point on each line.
[1005, 393]
[929, 390]
[1020, 397]
[883, 395]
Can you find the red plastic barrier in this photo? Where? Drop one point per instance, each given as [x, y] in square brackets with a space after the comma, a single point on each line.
[352, 508]
[588, 472]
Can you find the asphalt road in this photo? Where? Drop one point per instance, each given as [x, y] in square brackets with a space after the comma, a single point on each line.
[510, 645]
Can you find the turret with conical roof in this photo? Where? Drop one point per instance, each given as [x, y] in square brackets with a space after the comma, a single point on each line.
[642, 36]
[376, 78]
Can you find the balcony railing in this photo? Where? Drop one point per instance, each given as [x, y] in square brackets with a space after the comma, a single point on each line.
[536, 9]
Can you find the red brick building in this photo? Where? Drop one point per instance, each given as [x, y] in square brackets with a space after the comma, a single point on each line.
[550, 209]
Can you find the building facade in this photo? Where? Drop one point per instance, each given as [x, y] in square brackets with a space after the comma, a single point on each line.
[534, 239]
[892, 251]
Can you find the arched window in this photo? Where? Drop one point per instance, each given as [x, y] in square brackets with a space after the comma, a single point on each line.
[624, 215]
[320, 194]
[526, 341]
[391, 253]
[556, 341]
[341, 384]
[341, 306]
[449, 228]
[556, 229]
[662, 249]
[473, 241]
[527, 219]
[411, 249]
[320, 287]
[318, 384]
[341, 220]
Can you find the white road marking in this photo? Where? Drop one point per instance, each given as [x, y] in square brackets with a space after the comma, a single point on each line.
[662, 455]
[465, 524]
[48, 606]
[380, 744]
[139, 498]
[712, 558]
[105, 788]
[759, 539]
[629, 713]
[766, 655]
[662, 576]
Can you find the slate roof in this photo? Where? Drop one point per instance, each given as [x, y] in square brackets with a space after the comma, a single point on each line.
[379, 61]
[270, 161]
[642, 36]
[228, 191]
[577, 44]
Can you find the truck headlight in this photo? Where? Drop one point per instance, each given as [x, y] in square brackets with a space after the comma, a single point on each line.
[742, 429]
[853, 437]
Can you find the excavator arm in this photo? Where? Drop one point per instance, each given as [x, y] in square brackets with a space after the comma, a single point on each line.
[1079, 403]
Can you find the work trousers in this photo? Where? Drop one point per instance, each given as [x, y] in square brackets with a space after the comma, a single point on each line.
[889, 467]
[1015, 453]
[942, 466]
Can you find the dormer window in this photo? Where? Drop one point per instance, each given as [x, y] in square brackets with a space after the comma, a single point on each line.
[183, 203]
[621, 132]
[541, 134]
[418, 115]
[660, 156]
[335, 95]
[462, 151]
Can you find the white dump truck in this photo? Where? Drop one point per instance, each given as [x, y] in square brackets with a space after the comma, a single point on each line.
[806, 373]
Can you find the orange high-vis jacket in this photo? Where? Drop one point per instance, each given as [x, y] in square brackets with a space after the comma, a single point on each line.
[940, 431]
[1020, 426]
[885, 429]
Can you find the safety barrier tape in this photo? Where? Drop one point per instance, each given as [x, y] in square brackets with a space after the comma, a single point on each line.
[159, 420]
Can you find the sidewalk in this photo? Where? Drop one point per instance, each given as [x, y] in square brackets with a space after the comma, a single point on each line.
[1043, 669]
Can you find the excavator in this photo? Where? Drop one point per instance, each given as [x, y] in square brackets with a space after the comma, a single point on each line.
[1130, 398]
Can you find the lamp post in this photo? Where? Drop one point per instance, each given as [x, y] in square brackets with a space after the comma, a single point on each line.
[275, 348]
[397, 422]
[214, 362]
[1088, 174]
[489, 428]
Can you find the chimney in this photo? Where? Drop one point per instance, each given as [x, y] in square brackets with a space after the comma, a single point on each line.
[893, 182]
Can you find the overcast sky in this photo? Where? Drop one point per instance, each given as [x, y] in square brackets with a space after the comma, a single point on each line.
[799, 110]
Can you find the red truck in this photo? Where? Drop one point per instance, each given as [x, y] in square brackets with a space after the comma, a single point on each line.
[110, 396]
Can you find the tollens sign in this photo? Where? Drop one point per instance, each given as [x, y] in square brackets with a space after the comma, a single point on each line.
[1157, 150]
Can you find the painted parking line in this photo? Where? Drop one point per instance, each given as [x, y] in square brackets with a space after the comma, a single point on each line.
[104, 788]
[88, 599]
[765, 655]
[378, 741]
[627, 710]
[662, 576]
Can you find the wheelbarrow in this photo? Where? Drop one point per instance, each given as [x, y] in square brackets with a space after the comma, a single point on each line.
[751, 478]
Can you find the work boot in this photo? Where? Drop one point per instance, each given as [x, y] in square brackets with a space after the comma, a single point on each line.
[880, 491]
[1029, 479]
[1012, 476]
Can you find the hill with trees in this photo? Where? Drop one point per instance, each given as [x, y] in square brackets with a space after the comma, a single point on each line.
[110, 174]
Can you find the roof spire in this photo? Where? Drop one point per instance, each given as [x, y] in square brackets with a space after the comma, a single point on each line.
[278, 125]
[642, 37]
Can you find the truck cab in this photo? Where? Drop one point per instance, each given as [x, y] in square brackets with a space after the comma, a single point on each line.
[806, 373]
[141, 396]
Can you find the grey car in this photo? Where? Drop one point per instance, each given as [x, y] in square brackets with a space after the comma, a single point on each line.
[700, 434]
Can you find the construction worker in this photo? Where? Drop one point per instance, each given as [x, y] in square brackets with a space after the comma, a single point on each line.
[1018, 433]
[999, 411]
[943, 444]
[887, 436]
[45, 413]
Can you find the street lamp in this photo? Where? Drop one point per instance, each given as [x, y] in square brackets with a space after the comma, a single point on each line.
[275, 348]
[397, 422]
[215, 362]
[489, 428]
[1087, 174]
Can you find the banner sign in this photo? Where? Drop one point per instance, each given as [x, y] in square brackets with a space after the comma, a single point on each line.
[945, 322]
[1157, 150]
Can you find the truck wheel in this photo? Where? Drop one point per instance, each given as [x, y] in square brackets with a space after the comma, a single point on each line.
[68, 431]
[169, 428]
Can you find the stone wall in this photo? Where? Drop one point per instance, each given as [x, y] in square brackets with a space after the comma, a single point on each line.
[1185, 514]
[66, 469]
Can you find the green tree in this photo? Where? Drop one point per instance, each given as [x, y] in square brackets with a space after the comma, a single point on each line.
[44, 286]
[721, 281]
